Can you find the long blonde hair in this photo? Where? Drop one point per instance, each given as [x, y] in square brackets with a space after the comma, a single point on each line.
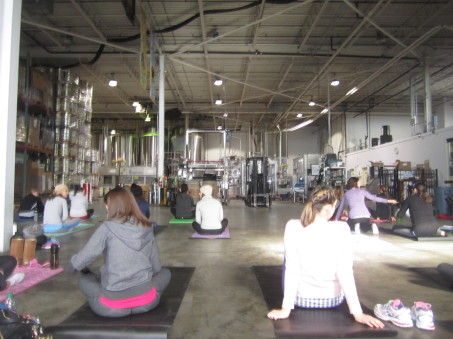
[319, 197]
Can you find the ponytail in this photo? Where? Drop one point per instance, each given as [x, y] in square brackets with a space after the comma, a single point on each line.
[319, 197]
[423, 193]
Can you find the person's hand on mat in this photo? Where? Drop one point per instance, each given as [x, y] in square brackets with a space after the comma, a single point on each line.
[279, 314]
[392, 201]
[368, 320]
[392, 219]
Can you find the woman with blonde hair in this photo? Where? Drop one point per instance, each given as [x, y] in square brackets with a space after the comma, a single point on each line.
[318, 261]
[56, 215]
[132, 278]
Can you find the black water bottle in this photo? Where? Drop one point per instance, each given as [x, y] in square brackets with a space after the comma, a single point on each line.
[54, 256]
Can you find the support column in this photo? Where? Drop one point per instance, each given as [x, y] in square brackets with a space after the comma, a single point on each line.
[428, 104]
[10, 16]
[414, 108]
[161, 133]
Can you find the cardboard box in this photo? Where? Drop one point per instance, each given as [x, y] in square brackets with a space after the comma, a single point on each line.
[33, 132]
[404, 166]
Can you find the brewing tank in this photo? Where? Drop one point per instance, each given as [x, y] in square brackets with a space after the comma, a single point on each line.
[196, 150]
[148, 147]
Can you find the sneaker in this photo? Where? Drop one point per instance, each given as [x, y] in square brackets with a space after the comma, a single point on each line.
[357, 228]
[395, 312]
[423, 316]
[375, 229]
[15, 278]
[49, 244]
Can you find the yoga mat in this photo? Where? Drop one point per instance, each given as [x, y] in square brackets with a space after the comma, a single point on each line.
[83, 323]
[80, 227]
[33, 276]
[159, 228]
[312, 323]
[181, 221]
[224, 235]
[22, 219]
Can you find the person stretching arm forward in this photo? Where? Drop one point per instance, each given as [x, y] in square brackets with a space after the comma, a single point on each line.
[318, 261]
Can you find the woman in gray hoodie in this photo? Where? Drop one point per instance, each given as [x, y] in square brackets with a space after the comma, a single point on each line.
[132, 278]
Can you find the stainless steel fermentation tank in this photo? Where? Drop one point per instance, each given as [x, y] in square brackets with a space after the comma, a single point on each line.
[134, 150]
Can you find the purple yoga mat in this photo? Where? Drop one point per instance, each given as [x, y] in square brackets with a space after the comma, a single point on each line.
[224, 235]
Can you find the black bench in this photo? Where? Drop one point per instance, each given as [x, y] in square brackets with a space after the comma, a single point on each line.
[312, 323]
[83, 323]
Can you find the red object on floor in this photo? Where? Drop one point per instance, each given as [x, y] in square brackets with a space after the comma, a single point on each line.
[444, 217]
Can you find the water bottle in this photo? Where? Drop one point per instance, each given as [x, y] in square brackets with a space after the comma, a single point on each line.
[54, 262]
[10, 303]
[35, 215]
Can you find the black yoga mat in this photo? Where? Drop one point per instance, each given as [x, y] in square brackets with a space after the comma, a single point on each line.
[83, 323]
[312, 323]
[158, 229]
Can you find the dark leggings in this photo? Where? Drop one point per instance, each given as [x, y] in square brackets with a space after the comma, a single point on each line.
[7, 266]
[197, 227]
[173, 211]
[365, 225]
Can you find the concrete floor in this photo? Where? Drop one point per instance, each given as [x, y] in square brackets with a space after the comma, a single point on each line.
[224, 300]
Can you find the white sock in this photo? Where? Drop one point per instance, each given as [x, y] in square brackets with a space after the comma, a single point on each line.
[16, 278]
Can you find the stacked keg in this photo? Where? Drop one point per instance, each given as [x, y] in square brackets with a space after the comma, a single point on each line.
[73, 153]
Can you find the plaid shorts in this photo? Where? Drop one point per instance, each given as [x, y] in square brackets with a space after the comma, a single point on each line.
[318, 302]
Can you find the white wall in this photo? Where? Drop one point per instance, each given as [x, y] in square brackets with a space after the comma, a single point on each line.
[356, 128]
[417, 149]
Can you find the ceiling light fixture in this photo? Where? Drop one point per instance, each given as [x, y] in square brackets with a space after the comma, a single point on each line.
[112, 132]
[112, 81]
[148, 118]
[218, 101]
[299, 115]
[325, 110]
[311, 103]
[135, 103]
[225, 114]
[303, 124]
[352, 91]
[218, 82]
[335, 82]
[219, 127]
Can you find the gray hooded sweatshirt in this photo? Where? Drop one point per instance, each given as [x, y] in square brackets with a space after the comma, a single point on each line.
[130, 255]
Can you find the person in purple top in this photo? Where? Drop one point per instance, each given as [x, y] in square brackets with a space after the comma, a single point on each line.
[359, 215]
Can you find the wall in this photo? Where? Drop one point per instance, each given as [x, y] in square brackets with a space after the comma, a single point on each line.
[417, 149]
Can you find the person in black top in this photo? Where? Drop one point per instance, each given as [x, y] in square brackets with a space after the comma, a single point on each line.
[137, 192]
[421, 212]
[184, 208]
[31, 203]
[385, 212]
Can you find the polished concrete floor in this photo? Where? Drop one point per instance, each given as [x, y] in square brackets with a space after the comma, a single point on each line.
[223, 299]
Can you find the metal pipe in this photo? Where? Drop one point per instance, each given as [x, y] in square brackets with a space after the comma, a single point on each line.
[414, 108]
[161, 144]
[428, 104]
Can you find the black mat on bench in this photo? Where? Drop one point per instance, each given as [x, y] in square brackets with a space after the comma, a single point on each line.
[312, 323]
[83, 323]
[448, 237]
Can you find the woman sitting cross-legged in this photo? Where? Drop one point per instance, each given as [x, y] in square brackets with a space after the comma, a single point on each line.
[209, 213]
[79, 205]
[132, 278]
[56, 211]
[318, 261]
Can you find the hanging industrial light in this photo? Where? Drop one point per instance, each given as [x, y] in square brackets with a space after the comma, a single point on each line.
[218, 82]
[112, 81]
[335, 82]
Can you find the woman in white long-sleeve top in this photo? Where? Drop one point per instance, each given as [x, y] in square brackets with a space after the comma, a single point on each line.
[318, 261]
[56, 216]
